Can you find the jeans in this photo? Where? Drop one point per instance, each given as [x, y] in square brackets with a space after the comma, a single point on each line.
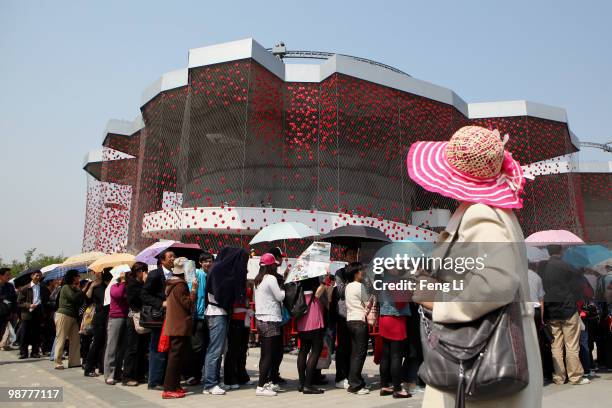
[311, 342]
[157, 360]
[234, 369]
[391, 364]
[359, 350]
[217, 329]
[199, 344]
[52, 353]
[585, 354]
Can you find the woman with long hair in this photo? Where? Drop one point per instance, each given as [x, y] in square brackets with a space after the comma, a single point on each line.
[66, 326]
[311, 328]
[134, 361]
[268, 312]
[95, 355]
[115, 340]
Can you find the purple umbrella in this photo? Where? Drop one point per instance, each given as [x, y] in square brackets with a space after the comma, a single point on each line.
[149, 254]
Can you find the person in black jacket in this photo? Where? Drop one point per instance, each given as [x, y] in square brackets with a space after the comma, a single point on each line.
[134, 361]
[32, 302]
[561, 285]
[343, 350]
[153, 295]
[95, 294]
[8, 302]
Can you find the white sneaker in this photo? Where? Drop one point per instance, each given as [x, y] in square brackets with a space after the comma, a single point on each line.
[274, 387]
[343, 385]
[363, 391]
[234, 387]
[216, 390]
[582, 381]
[265, 392]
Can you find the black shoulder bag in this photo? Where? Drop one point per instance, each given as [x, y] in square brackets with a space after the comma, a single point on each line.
[295, 301]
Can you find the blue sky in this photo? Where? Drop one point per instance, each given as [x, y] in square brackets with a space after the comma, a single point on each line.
[66, 67]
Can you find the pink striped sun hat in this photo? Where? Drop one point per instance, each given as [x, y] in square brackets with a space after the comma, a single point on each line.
[472, 166]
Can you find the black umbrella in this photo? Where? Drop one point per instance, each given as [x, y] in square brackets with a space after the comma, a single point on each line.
[354, 235]
[24, 277]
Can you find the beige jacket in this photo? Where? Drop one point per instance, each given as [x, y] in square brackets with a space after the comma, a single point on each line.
[503, 274]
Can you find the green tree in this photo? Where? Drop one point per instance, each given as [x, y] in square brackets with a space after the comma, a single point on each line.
[33, 260]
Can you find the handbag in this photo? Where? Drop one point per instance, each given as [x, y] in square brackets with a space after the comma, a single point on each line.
[477, 360]
[87, 321]
[137, 326]
[325, 358]
[164, 341]
[286, 316]
[151, 317]
[371, 314]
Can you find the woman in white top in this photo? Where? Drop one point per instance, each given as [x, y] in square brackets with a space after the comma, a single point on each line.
[356, 298]
[268, 312]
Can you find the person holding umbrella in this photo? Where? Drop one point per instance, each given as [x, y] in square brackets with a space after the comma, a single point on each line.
[32, 303]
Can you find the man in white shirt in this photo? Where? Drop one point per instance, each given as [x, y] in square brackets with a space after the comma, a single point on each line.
[31, 302]
[153, 294]
[536, 295]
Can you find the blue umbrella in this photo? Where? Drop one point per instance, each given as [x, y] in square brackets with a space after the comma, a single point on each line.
[60, 271]
[586, 255]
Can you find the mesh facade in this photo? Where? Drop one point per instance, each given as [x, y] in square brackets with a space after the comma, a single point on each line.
[238, 136]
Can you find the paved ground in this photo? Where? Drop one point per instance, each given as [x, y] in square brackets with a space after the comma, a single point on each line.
[80, 391]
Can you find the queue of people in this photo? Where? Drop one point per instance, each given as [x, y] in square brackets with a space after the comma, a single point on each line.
[207, 323]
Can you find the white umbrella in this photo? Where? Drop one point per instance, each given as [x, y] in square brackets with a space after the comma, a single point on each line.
[282, 231]
[48, 268]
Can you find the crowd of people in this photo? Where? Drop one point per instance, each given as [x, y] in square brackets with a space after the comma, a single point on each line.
[569, 329]
[97, 324]
[207, 323]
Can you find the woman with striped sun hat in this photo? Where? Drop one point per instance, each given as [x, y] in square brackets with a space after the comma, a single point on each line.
[474, 168]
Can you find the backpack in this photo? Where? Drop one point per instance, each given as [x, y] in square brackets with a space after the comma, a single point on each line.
[295, 301]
